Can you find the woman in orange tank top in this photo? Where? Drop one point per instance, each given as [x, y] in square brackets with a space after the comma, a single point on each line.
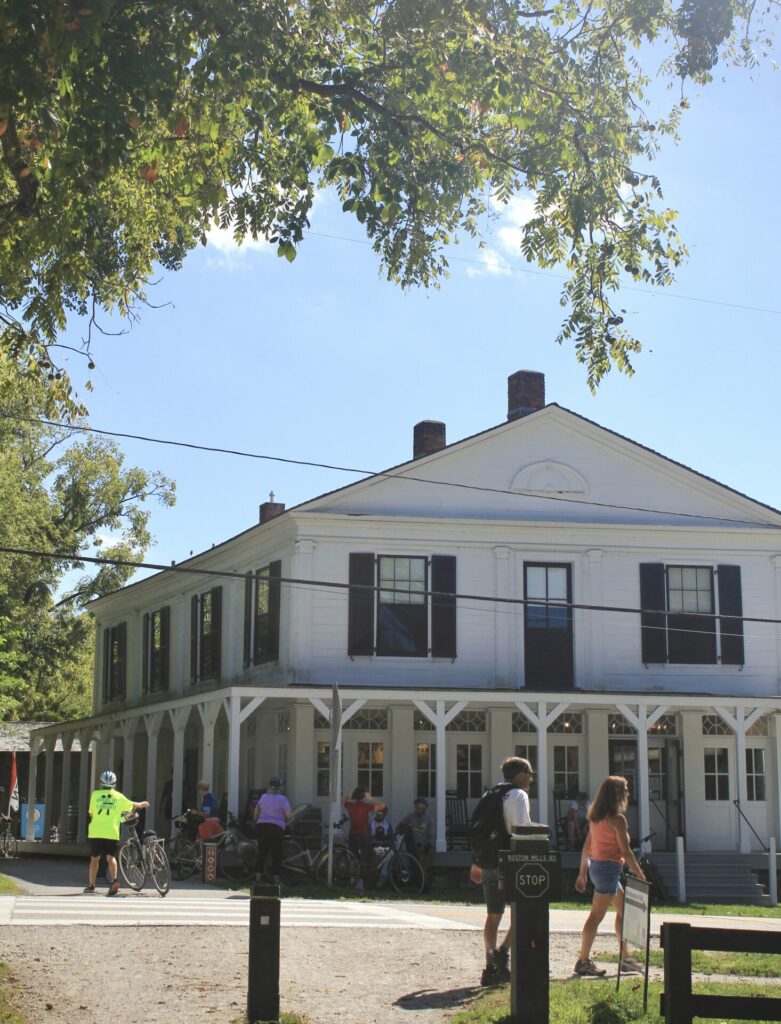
[605, 851]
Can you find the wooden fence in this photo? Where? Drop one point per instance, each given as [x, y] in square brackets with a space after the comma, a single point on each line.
[679, 1005]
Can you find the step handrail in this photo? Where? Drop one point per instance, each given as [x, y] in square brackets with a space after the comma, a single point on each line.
[743, 816]
[667, 824]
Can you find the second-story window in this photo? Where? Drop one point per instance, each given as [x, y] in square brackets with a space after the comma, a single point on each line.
[114, 662]
[402, 606]
[206, 635]
[262, 614]
[156, 650]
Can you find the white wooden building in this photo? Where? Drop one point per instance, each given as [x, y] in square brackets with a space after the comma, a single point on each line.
[521, 590]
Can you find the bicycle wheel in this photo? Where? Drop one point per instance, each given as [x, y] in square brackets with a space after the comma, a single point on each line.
[181, 857]
[238, 859]
[160, 869]
[8, 844]
[295, 864]
[406, 874]
[346, 871]
[132, 865]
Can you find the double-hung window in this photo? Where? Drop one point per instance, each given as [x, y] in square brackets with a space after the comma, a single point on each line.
[206, 635]
[691, 614]
[402, 605]
[262, 614]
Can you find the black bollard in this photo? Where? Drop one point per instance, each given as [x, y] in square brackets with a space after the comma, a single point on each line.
[531, 878]
[263, 977]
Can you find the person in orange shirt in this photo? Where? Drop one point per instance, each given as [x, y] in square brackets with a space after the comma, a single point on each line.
[605, 852]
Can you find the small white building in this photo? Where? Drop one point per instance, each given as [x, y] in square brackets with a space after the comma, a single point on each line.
[546, 587]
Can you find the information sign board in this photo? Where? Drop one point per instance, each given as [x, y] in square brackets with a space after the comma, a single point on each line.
[637, 911]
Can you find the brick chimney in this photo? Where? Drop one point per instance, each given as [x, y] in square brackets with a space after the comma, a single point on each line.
[428, 437]
[525, 393]
[271, 509]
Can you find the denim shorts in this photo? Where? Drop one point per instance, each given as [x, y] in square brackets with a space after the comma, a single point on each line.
[605, 876]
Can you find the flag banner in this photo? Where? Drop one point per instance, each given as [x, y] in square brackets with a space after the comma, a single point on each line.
[13, 786]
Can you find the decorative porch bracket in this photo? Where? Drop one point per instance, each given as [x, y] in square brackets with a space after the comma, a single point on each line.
[179, 718]
[740, 723]
[642, 721]
[542, 719]
[153, 724]
[441, 717]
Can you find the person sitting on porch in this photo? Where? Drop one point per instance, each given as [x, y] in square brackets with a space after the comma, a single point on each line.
[577, 820]
[380, 828]
[419, 834]
[359, 805]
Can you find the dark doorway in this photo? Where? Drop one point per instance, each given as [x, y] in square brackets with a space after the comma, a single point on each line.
[665, 792]
[548, 661]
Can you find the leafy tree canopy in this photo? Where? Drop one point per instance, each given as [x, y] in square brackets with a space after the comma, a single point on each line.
[59, 494]
[128, 127]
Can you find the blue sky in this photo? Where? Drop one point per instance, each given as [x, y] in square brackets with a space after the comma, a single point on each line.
[324, 360]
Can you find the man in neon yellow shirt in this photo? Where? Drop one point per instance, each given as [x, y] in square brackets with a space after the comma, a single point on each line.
[106, 807]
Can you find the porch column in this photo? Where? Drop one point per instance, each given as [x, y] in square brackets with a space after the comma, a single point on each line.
[208, 713]
[152, 724]
[179, 717]
[542, 719]
[128, 730]
[85, 738]
[777, 776]
[440, 719]
[29, 827]
[48, 787]
[642, 722]
[65, 785]
[740, 722]
[234, 753]
[104, 751]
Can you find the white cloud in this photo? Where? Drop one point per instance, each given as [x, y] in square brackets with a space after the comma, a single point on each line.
[490, 263]
[517, 212]
[223, 239]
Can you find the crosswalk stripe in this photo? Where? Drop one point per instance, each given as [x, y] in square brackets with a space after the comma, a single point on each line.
[148, 908]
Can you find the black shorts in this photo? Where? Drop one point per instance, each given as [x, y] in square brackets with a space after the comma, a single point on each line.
[493, 891]
[99, 846]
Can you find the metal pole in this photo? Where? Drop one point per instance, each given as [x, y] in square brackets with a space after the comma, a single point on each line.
[263, 974]
[772, 872]
[336, 775]
[680, 861]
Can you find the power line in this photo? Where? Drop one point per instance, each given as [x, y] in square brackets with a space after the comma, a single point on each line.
[387, 474]
[563, 277]
[373, 588]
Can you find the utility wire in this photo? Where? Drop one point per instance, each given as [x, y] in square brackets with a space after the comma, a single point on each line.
[373, 588]
[387, 474]
[563, 277]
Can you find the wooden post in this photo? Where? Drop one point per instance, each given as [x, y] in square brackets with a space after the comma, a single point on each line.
[263, 978]
[677, 996]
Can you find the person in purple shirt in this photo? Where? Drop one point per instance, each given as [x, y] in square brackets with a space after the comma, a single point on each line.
[272, 812]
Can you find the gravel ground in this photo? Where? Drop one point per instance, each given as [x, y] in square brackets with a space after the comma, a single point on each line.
[165, 975]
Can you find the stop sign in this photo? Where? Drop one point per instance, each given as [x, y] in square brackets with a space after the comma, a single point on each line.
[532, 880]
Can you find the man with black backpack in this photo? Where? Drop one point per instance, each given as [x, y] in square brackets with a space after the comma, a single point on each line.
[500, 809]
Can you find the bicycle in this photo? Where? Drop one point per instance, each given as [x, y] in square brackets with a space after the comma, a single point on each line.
[9, 846]
[299, 862]
[140, 858]
[404, 871]
[237, 857]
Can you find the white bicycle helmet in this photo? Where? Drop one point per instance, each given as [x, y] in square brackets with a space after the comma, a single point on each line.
[108, 779]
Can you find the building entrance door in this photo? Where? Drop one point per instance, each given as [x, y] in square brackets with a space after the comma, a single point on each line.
[665, 790]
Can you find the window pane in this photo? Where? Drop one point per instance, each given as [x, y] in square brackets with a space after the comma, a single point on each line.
[710, 787]
[689, 577]
[557, 584]
[535, 582]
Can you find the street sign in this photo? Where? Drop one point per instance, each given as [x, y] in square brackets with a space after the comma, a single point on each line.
[531, 876]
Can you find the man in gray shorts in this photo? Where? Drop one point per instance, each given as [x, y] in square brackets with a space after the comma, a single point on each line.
[517, 774]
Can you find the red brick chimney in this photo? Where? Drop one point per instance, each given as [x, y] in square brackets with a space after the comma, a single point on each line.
[428, 437]
[525, 393]
[271, 509]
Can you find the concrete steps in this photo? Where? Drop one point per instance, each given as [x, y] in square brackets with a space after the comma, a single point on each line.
[712, 878]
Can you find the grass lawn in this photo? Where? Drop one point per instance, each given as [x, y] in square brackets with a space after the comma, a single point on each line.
[756, 965]
[710, 909]
[8, 885]
[7, 1015]
[578, 1001]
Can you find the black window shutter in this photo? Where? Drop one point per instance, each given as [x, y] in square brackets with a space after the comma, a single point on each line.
[274, 603]
[216, 639]
[195, 626]
[248, 587]
[653, 625]
[145, 655]
[165, 646]
[443, 606]
[121, 658]
[731, 615]
[106, 663]
[360, 604]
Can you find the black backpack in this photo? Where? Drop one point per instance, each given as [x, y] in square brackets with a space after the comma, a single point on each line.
[487, 834]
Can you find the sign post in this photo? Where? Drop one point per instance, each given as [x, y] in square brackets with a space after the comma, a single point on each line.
[263, 974]
[532, 877]
[636, 924]
[336, 775]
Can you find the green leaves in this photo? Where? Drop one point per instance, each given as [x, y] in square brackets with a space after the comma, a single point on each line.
[126, 131]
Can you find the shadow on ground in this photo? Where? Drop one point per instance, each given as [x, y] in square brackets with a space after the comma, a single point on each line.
[428, 999]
